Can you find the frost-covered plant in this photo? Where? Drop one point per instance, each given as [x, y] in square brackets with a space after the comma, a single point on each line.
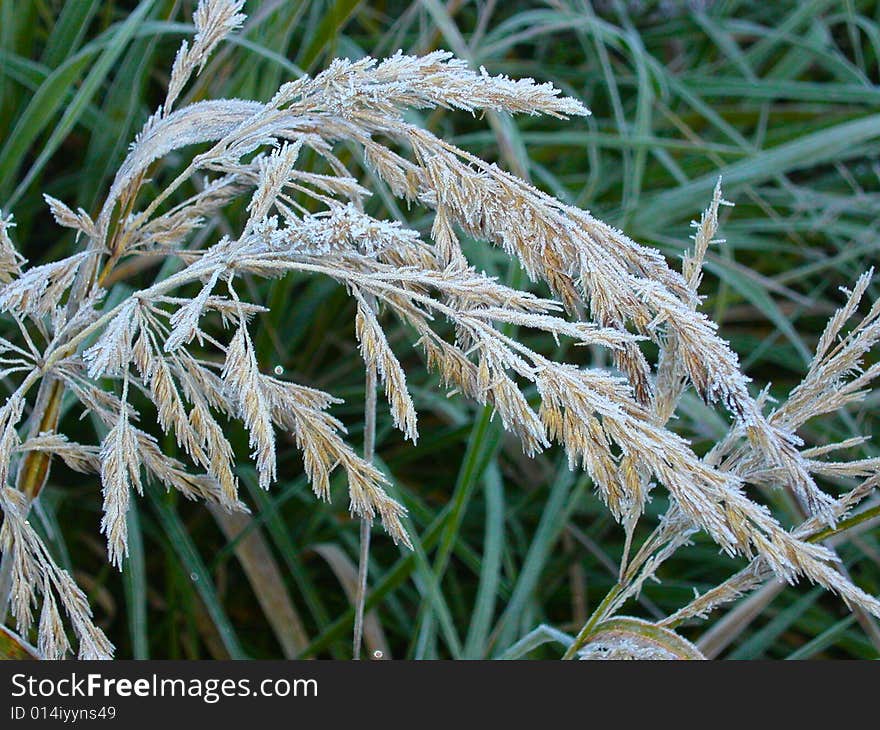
[608, 291]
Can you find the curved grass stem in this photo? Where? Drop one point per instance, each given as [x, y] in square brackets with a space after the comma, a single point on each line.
[595, 619]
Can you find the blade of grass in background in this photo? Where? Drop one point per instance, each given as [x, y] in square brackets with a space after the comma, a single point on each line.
[98, 72]
[265, 579]
[135, 580]
[777, 98]
[477, 641]
[194, 567]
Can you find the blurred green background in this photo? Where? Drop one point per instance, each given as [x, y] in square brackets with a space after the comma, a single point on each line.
[780, 98]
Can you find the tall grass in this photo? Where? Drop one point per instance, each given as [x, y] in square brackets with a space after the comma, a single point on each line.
[779, 99]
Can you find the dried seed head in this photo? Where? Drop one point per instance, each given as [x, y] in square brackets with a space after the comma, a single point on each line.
[165, 341]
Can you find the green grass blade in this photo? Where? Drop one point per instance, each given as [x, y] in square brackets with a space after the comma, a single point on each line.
[265, 579]
[134, 577]
[823, 640]
[537, 637]
[69, 30]
[477, 640]
[324, 36]
[806, 151]
[203, 582]
[78, 104]
[549, 528]
[757, 644]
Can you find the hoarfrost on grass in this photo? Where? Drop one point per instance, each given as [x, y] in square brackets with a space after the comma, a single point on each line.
[608, 291]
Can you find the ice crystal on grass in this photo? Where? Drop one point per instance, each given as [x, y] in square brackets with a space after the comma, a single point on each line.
[608, 291]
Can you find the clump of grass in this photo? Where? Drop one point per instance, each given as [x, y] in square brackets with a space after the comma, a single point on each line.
[185, 343]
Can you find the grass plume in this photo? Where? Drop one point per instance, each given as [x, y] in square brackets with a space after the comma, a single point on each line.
[184, 348]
